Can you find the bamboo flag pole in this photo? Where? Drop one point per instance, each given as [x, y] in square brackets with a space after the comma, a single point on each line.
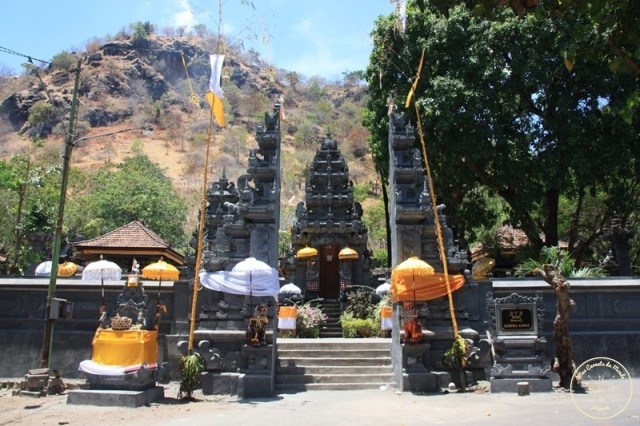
[203, 213]
[217, 113]
[443, 256]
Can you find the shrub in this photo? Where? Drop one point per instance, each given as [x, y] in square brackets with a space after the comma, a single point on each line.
[309, 319]
[357, 327]
[63, 61]
[360, 303]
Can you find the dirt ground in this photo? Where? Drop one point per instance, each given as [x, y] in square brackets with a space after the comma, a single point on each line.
[378, 407]
[53, 409]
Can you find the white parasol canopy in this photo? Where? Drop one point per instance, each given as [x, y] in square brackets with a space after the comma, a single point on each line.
[249, 277]
[101, 270]
[290, 289]
[44, 268]
[383, 289]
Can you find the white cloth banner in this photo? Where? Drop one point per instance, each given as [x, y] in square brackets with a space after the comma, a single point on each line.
[286, 323]
[386, 323]
[242, 283]
[90, 367]
[216, 73]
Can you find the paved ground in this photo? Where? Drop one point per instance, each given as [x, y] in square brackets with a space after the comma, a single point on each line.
[374, 407]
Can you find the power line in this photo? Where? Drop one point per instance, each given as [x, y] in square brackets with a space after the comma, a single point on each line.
[13, 52]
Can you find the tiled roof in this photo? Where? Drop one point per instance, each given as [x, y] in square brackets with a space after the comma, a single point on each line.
[507, 237]
[134, 234]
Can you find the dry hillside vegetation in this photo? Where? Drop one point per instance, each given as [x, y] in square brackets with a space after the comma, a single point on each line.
[125, 83]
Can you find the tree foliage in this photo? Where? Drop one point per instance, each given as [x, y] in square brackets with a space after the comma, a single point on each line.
[29, 193]
[503, 111]
[136, 190]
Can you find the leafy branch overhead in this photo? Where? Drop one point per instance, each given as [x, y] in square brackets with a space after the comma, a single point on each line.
[512, 133]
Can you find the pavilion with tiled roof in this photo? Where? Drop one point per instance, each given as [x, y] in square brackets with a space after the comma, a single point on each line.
[121, 245]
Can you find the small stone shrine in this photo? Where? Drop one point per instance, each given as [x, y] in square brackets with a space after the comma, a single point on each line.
[123, 368]
[515, 326]
[329, 221]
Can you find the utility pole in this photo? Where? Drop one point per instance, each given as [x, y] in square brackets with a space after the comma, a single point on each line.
[57, 238]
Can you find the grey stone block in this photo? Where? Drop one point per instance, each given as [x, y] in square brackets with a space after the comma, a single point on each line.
[511, 384]
[256, 386]
[115, 398]
[419, 382]
[220, 383]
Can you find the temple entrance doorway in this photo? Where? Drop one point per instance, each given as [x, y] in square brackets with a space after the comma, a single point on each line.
[329, 276]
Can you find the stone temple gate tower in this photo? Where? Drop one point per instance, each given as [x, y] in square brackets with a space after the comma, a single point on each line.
[329, 221]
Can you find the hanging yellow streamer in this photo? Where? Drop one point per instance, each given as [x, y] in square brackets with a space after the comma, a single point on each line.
[414, 86]
[195, 99]
[443, 256]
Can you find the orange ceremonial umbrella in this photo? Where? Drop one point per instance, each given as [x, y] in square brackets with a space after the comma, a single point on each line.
[160, 270]
[414, 279]
[306, 253]
[67, 269]
[347, 253]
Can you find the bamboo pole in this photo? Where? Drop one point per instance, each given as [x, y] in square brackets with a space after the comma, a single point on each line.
[203, 214]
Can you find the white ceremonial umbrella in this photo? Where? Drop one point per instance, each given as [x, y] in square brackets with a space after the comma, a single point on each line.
[102, 270]
[252, 267]
[44, 269]
[383, 289]
[290, 288]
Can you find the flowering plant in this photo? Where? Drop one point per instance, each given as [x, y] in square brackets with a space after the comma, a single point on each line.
[309, 319]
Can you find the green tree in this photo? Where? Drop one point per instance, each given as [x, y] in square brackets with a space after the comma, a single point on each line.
[41, 113]
[294, 79]
[352, 78]
[136, 190]
[29, 192]
[509, 117]
[64, 61]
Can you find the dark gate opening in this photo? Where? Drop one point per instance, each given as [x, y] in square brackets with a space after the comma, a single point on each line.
[329, 272]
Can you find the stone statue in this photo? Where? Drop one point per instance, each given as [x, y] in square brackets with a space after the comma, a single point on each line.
[412, 328]
[256, 332]
[313, 273]
[345, 275]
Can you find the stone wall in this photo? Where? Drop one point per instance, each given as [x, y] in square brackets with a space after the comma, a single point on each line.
[22, 322]
[606, 320]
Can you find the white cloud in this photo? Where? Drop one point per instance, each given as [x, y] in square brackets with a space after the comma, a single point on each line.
[184, 17]
[328, 53]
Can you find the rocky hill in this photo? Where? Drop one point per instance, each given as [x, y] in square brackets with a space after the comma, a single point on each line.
[127, 82]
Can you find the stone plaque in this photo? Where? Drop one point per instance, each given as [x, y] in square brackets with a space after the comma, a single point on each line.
[517, 319]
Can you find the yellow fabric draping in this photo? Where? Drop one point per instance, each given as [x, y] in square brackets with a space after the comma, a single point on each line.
[386, 318]
[426, 288]
[386, 312]
[125, 347]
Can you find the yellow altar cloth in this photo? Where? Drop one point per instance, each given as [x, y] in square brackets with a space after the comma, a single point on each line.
[125, 347]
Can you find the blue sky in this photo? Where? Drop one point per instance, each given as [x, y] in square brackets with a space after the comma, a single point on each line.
[311, 37]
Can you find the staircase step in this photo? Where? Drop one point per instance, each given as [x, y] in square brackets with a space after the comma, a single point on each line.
[319, 353]
[333, 364]
[303, 387]
[335, 378]
[333, 344]
[335, 369]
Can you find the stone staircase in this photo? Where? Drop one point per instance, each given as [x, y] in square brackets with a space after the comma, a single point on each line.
[333, 364]
[331, 327]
